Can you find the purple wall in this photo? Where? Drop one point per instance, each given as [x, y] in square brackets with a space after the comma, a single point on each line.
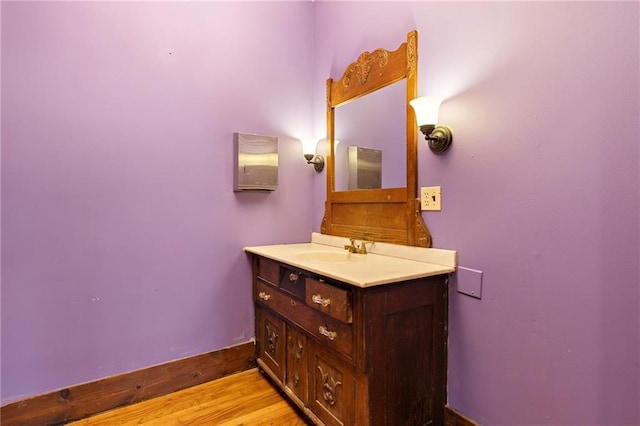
[121, 235]
[540, 192]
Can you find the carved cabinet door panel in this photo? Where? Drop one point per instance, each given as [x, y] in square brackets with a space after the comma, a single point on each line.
[271, 341]
[332, 388]
[297, 363]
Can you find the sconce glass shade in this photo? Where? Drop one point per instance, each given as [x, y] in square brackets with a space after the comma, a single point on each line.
[309, 152]
[426, 109]
[309, 146]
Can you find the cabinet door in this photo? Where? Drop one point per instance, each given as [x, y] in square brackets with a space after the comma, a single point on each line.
[332, 388]
[271, 341]
[406, 344]
[297, 363]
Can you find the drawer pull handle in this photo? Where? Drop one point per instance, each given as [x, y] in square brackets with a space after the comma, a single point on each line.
[293, 277]
[325, 332]
[264, 296]
[316, 298]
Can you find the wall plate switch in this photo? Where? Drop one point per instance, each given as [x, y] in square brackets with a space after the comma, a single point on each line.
[431, 198]
[469, 282]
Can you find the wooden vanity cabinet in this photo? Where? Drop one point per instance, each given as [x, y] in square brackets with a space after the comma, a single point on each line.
[348, 355]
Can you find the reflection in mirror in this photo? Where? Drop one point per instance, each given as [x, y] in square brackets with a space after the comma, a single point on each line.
[365, 168]
[374, 121]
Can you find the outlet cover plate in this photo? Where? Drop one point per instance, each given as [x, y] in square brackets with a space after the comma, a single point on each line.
[431, 198]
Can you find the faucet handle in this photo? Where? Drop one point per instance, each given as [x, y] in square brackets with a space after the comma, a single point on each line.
[352, 247]
[363, 246]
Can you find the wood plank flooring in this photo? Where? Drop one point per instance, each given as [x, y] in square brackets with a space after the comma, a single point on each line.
[245, 398]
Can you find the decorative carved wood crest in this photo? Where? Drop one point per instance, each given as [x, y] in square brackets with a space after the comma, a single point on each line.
[362, 67]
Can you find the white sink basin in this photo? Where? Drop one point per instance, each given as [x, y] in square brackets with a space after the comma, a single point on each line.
[330, 257]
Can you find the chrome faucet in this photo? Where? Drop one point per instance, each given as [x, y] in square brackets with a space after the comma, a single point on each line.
[353, 248]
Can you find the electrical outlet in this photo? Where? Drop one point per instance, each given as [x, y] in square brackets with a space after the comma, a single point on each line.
[431, 198]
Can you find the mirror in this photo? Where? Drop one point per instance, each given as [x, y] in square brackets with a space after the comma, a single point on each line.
[375, 121]
[390, 213]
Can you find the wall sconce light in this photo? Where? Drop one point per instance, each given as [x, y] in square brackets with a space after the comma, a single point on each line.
[309, 152]
[438, 137]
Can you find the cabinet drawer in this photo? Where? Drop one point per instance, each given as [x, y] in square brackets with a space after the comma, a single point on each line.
[269, 270]
[329, 299]
[334, 334]
[293, 281]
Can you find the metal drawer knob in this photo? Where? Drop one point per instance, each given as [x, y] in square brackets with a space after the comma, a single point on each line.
[293, 277]
[316, 298]
[325, 332]
[264, 296]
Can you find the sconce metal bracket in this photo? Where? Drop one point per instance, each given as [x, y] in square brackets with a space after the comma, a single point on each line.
[438, 138]
[317, 161]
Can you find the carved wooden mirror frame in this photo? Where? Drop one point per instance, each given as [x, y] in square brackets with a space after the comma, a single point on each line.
[388, 214]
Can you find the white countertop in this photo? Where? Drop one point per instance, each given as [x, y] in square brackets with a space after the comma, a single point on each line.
[383, 264]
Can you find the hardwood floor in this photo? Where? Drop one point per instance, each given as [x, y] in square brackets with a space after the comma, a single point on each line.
[245, 398]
